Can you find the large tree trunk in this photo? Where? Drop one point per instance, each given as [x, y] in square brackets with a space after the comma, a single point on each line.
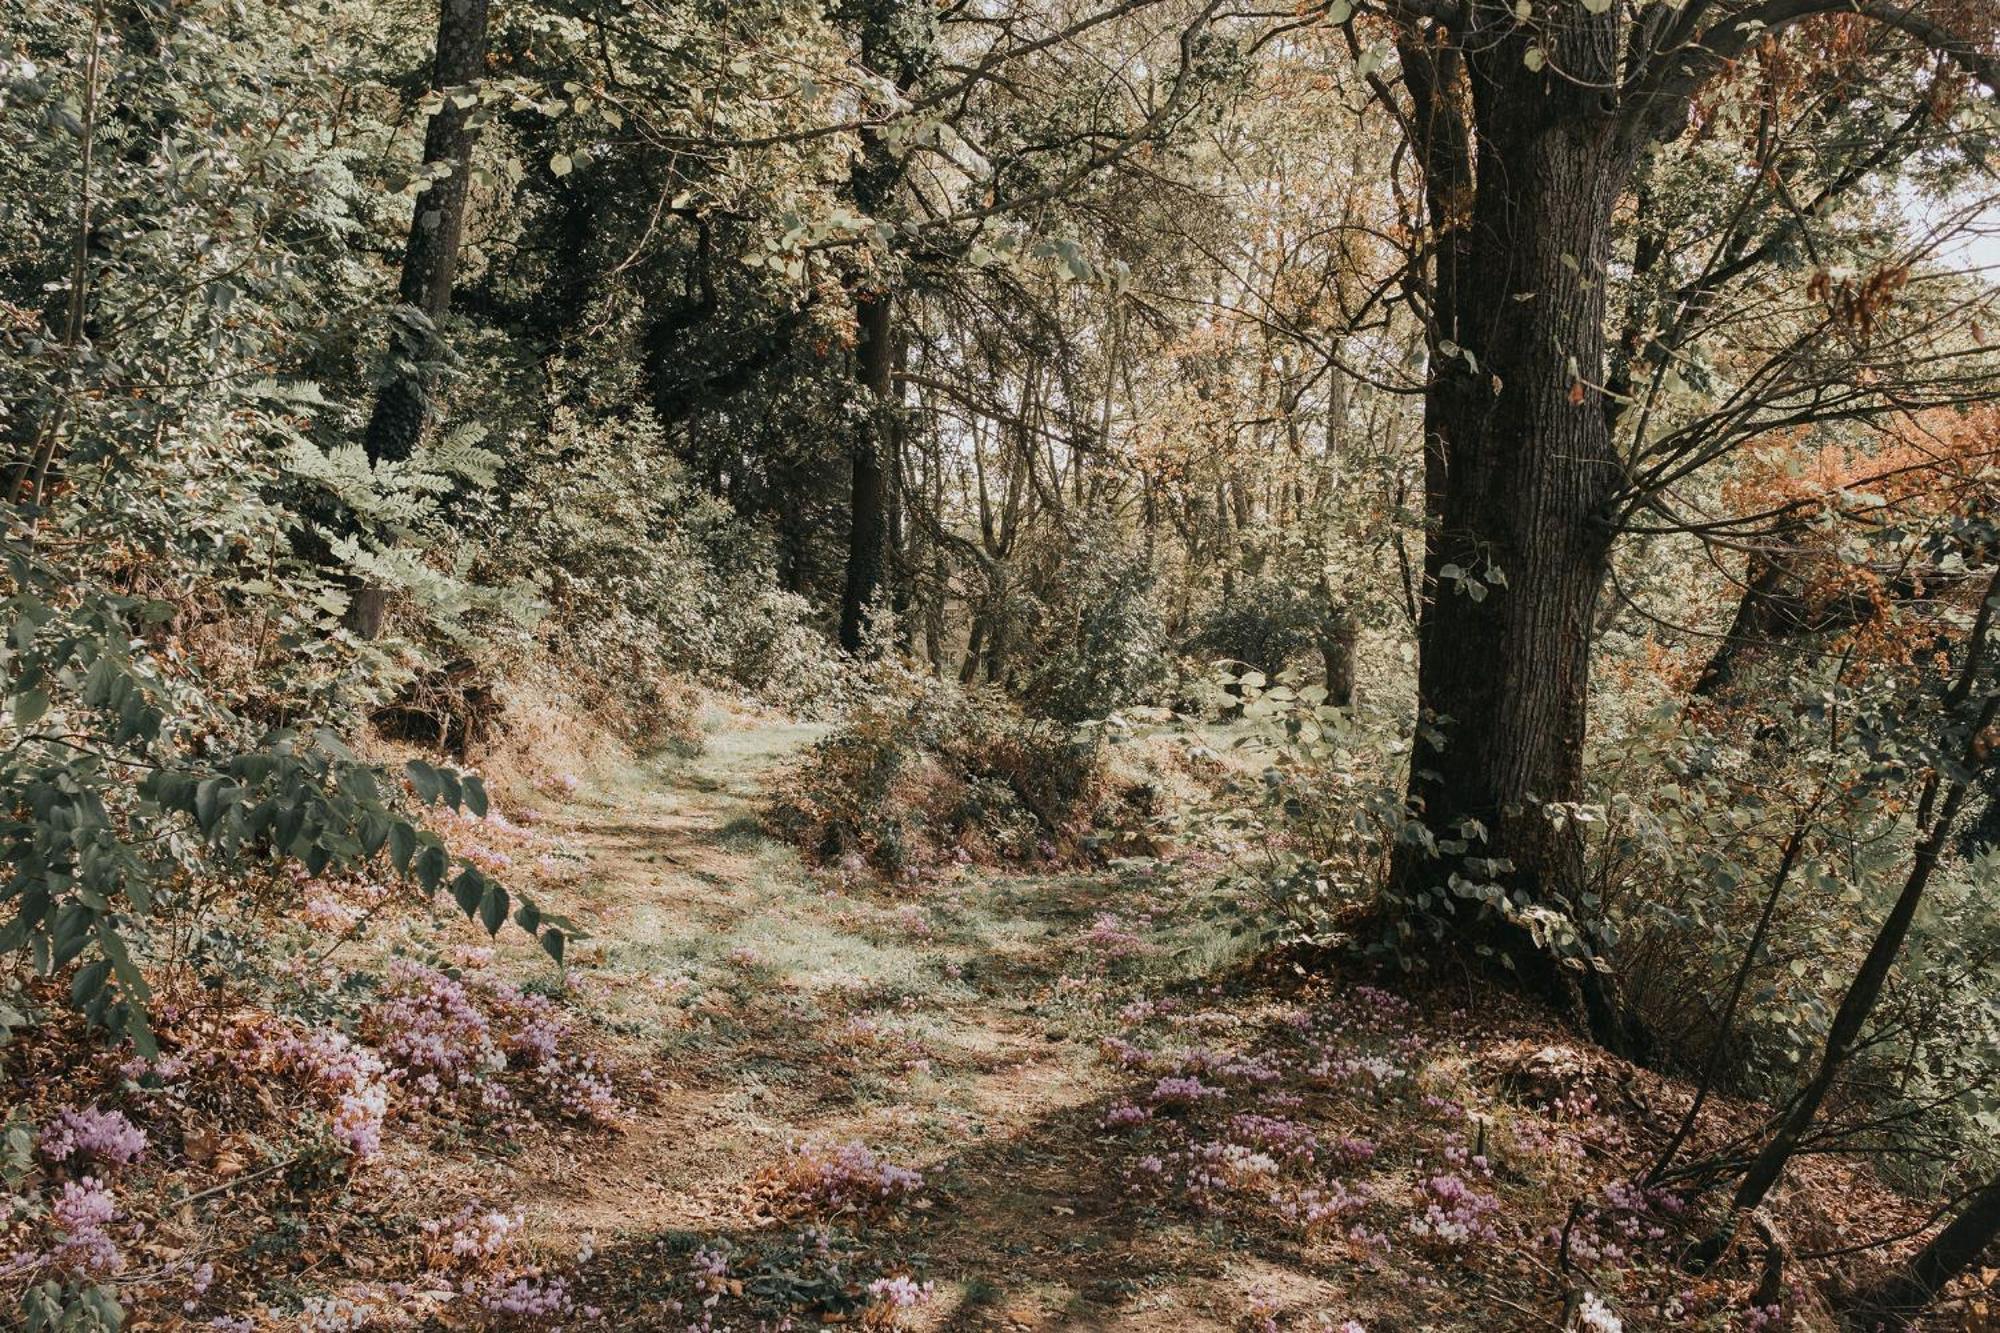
[1519, 466]
[430, 261]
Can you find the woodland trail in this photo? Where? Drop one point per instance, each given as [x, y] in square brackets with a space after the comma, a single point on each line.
[950, 1025]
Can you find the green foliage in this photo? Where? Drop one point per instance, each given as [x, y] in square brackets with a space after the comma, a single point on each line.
[124, 784]
[1695, 816]
[74, 1307]
[1266, 625]
[1098, 644]
[1313, 829]
[645, 576]
[930, 773]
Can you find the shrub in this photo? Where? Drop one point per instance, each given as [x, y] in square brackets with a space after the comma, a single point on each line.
[1100, 646]
[646, 577]
[1265, 625]
[942, 774]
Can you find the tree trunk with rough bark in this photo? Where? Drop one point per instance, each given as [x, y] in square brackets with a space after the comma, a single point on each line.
[1336, 655]
[1519, 467]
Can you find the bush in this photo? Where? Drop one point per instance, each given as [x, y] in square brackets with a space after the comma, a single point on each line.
[939, 774]
[1308, 836]
[645, 577]
[1101, 646]
[1266, 624]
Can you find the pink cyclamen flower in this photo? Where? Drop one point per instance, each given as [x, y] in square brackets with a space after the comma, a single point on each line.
[105, 1137]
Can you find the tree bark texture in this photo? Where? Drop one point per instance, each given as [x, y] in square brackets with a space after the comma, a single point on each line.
[1519, 467]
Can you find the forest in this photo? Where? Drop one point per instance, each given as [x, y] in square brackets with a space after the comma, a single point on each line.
[1248, 665]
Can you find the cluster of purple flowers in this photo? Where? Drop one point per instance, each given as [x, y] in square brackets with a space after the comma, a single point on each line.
[1123, 1115]
[448, 1039]
[528, 1297]
[349, 1078]
[433, 1031]
[103, 1137]
[900, 1293]
[824, 1178]
[1454, 1212]
[1110, 938]
[1182, 1090]
[82, 1215]
[472, 1237]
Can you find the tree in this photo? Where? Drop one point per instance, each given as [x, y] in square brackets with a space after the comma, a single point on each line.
[1970, 708]
[898, 41]
[1931, 1269]
[430, 257]
[1530, 123]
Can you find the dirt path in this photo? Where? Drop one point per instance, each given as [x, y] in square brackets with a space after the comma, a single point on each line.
[950, 1025]
[1121, 1123]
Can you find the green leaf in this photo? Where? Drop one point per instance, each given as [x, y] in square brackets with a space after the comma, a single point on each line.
[552, 944]
[430, 867]
[29, 707]
[493, 909]
[425, 779]
[402, 846]
[88, 983]
[469, 890]
[208, 803]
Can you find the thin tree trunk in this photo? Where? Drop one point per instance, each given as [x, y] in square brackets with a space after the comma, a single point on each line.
[1336, 649]
[1712, 1069]
[1858, 1004]
[437, 225]
[896, 43]
[975, 639]
[1337, 634]
[901, 553]
[868, 498]
[1849, 1021]
[1950, 1253]
[430, 262]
